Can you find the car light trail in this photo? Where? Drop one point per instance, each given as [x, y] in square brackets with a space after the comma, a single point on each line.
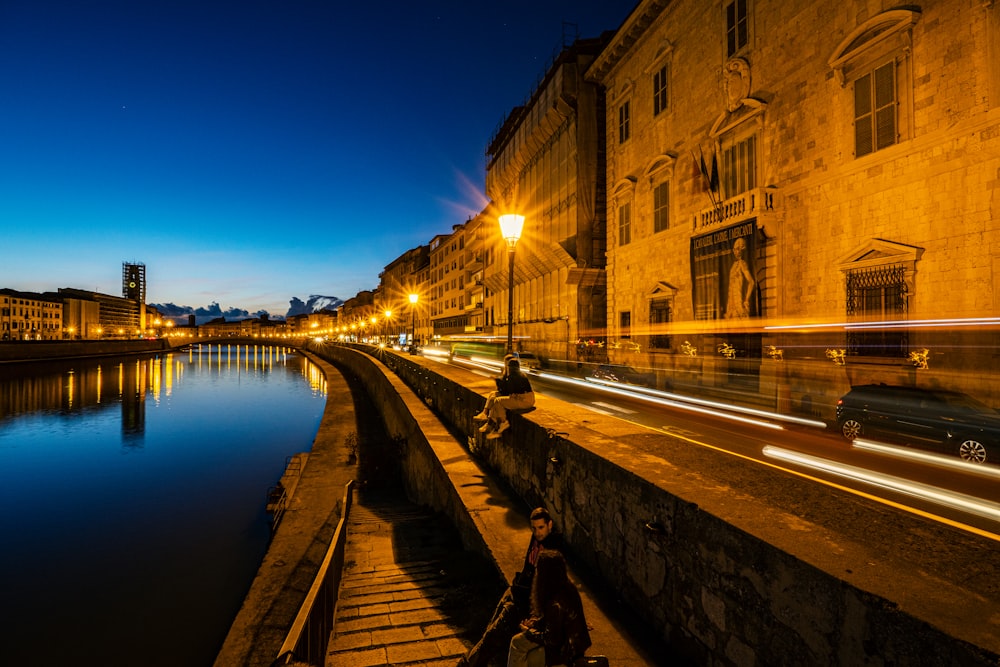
[936, 495]
[651, 396]
[950, 462]
[890, 324]
[680, 400]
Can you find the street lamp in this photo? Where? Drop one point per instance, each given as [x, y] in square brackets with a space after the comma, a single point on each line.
[413, 319]
[511, 225]
[385, 325]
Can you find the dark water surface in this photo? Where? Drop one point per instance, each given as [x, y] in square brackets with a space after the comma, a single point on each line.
[132, 497]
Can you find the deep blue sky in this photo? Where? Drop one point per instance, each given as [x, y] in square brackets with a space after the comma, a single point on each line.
[253, 151]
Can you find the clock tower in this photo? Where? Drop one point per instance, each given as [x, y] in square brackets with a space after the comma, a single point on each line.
[134, 288]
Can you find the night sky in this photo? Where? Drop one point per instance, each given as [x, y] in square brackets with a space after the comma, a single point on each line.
[255, 151]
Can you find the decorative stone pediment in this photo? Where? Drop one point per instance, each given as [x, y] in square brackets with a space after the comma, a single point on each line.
[888, 31]
[750, 109]
[624, 188]
[662, 290]
[877, 252]
[661, 166]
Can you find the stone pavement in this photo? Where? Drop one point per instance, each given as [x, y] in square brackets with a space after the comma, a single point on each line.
[409, 595]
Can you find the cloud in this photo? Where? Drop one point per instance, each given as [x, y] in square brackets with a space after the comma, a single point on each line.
[213, 311]
[316, 302]
[202, 314]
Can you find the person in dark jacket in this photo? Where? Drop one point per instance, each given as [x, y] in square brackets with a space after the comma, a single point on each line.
[513, 392]
[515, 604]
[556, 632]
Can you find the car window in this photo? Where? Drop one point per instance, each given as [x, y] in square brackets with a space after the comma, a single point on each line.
[963, 403]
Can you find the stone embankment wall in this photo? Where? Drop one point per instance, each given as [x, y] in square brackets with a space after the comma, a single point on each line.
[50, 350]
[732, 562]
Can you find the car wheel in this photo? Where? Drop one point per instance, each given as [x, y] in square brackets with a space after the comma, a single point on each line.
[972, 450]
[851, 428]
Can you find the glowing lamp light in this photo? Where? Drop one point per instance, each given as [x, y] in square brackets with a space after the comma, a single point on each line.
[511, 226]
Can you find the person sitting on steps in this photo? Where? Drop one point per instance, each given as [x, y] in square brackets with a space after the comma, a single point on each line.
[515, 604]
[513, 393]
[556, 633]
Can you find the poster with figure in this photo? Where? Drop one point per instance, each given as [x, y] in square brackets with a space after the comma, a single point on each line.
[723, 273]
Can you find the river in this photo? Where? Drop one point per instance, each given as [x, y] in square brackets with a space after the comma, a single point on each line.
[133, 494]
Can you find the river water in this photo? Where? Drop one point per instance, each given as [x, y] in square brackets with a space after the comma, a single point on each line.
[132, 495]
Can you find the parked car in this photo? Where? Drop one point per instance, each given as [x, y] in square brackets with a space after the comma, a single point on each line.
[945, 421]
[624, 374]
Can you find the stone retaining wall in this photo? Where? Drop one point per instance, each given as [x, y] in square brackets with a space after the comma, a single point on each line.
[48, 350]
[733, 562]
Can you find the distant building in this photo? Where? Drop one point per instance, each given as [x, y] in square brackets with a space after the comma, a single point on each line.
[134, 287]
[30, 316]
[118, 317]
[447, 299]
[405, 275]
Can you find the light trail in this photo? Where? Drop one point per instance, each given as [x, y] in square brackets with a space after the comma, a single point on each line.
[933, 494]
[680, 399]
[661, 398]
[939, 460]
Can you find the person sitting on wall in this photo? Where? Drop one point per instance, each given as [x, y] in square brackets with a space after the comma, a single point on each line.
[513, 393]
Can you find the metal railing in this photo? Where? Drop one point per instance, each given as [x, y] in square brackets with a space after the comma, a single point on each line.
[309, 635]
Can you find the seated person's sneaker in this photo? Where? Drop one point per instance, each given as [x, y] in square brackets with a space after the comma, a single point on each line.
[481, 417]
[503, 427]
[485, 427]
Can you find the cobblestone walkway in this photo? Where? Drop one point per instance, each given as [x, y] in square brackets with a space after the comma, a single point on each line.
[409, 594]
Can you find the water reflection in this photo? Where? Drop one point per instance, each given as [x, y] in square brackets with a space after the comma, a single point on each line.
[135, 491]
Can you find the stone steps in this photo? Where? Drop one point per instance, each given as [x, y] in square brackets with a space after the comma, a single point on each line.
[405, 589]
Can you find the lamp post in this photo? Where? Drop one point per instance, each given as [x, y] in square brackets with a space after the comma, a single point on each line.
[385, 325]
[413, 320]
[511, 226]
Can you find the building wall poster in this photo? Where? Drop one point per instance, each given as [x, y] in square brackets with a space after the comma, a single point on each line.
[723, 273]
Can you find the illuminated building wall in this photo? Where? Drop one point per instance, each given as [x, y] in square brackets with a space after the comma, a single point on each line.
[852, 148]
[545, 164]
[29, 316]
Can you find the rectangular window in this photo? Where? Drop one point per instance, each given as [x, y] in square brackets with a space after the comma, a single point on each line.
[660, 90]
[875, 110]
[625, 324]
[739, 167]
[877, 294]
[623, 123]
[659, 314]
[661, 207]
[625, 224]
[737, 27]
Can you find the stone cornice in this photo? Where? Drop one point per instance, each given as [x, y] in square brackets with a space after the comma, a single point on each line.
[630, 32]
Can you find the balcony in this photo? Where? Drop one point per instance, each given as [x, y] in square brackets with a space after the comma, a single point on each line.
[744, 206]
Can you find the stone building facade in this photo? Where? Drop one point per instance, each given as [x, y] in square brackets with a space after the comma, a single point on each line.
[405, 275]
[545, 163]
[30, 316]
[783, 173]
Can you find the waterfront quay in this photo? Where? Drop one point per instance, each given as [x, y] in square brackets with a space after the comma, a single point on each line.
[722, 562]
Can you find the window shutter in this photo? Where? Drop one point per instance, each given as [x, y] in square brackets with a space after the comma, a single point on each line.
[863, 144]
[885, 105]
